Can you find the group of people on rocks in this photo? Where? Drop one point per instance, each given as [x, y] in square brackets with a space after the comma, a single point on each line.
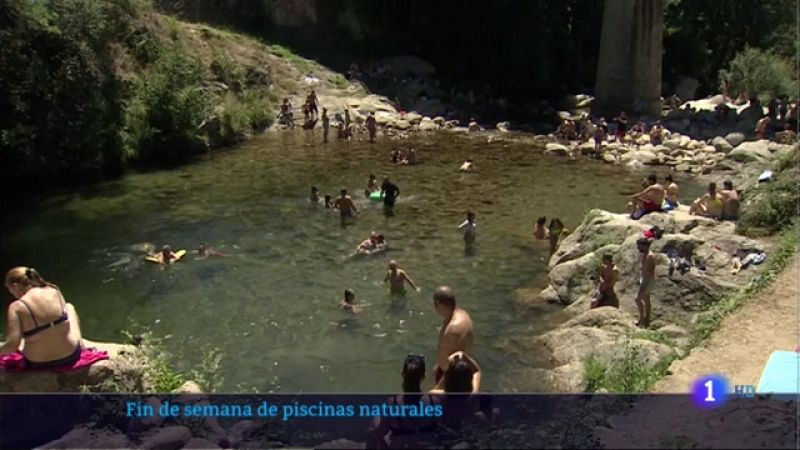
[583, 129]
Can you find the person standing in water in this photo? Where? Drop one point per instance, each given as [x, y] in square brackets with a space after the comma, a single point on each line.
[469, 227]
[646, 282]
[348, 303]
[540, 232]
[314, 197]
[397, 279]
[456, 332]
[312, 103]
[554, 231]
[671, 198]
[372, 186]
[347, 209]
[348, 130]
[389, 192]
[326, 125]
[372, 126]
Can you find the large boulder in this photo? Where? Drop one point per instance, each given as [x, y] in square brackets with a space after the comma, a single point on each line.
[755, 151]
[721, 145]
[642, 156]
[553, 148]
[735, 138]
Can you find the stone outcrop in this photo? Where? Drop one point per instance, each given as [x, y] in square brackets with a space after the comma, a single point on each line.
[678, 299]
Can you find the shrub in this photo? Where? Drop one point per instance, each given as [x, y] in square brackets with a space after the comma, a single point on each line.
[162, 119]
[226, 70]
[628, 374]
[772, 207]
[760, 73]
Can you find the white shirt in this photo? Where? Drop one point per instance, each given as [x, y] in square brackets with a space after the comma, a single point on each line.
[469, 228]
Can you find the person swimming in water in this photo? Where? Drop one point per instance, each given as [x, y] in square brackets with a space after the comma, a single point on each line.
[540, 232]
[554, 232]
[203, 251]
[328, 203]
[314, 197]
[397, 279]
[468, 166]
[348, 303]
[166, 255]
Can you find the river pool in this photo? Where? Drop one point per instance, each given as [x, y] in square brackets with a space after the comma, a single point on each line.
[270, 305]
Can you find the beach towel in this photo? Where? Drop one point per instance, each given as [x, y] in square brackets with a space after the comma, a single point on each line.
[15, 362]
[780, 375]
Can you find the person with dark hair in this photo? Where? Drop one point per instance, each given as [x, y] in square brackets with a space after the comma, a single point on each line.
[347, 209]
[40, 323]
[761, 127]
[389, 192]
[462, 376]
[554, 232]
[348, 303]
[608, 274]
[326, 125]
[469, 226]
[648, 200]
[328, 201]
[372, 126]
[540, 231]
[456, 332]
[709, 205]
[730, 201]
[622, 126]
[314, 196]
[397, 279]
[405, 432]
[646, 281]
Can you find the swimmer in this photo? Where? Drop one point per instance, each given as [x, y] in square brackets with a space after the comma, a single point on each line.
[371, 243]
[314, 197]
[347, 209]
[328, 201]
[372, 186]
[469, 226]
[372, 126]
[203, 251]
[397, 279]
[540, 232]
[348, 303]
[468, 166]
[394, 156]
[166, 256]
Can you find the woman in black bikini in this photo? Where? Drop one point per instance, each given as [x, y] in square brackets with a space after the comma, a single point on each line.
[41, 318]
[406, 432]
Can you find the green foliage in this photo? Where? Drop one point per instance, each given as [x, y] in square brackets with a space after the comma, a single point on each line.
[259, 109]
[207, 375]
[760, 73]
[773, 208]
[340, 82]
[655, 336]
[780, 257]
[628, 374]
[234, 121]
[226, 70]
[168, 106]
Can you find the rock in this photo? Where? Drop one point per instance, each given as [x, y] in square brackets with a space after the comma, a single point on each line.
[464, 445]
[708, 149]
[189, 387]
[683, 167]
[587, 148]
[721, 145]
[199, 443]
[503, 126]
[685, 142]
[757, 151]
[572, 278]
[642, 156]
[340, 444]
[90, 438]
[243, 430]
[172, 437]
[609, 158]
[440, 121]
[556, 149]
[427, 124]
[686, 88]
[401, 124]
[533, 298]
[673, 143]
[735, 138]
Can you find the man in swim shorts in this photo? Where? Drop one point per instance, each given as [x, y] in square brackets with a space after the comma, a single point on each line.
[730, 201]
[646, 281]
[397, 279]
[456, 332]
[649, 200]
[347, 209]
[609, 274]
[372, 126]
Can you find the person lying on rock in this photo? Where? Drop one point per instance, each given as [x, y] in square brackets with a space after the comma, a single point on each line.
[40, 322]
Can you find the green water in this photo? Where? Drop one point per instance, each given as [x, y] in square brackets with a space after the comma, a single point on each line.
[270, 306]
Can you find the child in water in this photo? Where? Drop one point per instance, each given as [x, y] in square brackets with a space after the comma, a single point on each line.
[469, 229]
[314, 197]
[328, 201]
[166, 256]
[348, 303]
[540, 232]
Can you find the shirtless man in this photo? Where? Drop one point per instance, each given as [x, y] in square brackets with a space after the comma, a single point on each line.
[397, 279]
[313, 104]
[468, 166]
[761, 127]
[646, 282]
[730, 201]
[347, 124]
[709, 205]
[609, 274]
[540, 232]
[372, 126]
[456, 331]
[648, 200]
[326, 125]
[347, 209]
[657, 133]
[671, 198]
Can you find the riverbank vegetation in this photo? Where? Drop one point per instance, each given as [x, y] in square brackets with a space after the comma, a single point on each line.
[88, 88]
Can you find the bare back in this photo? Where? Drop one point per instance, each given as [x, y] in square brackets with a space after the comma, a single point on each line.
[455, 335]
[46, 305]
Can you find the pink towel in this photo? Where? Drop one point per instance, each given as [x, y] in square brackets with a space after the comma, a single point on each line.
[15, 362]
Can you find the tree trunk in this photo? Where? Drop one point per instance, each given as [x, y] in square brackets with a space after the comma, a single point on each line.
[629, 67]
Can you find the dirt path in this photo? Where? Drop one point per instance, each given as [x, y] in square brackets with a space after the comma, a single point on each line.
[740, 348]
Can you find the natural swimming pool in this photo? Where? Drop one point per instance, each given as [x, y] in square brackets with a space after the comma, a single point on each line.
[270, 305]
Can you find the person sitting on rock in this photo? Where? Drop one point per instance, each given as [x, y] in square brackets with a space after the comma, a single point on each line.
[657, 133]
[730, 201]
[608, 274]
[473, 125]
[648, 200]
[709, 205]
[42, 326]
[761, 127]
[671, 198]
